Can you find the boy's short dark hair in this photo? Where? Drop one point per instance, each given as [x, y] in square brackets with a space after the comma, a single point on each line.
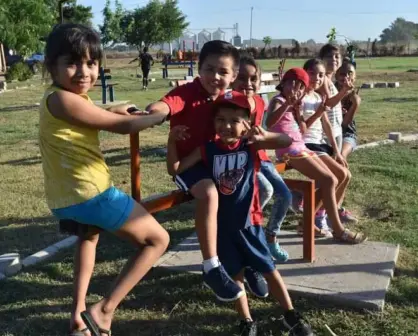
[219, 48]
[232, 106]
[145, 49]
[328, 49]
[73, 40]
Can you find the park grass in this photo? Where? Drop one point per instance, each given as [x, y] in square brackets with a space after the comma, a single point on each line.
[36, 302]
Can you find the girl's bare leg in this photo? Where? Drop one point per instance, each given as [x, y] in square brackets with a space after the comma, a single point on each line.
[84, 260]
[313, 168]
[151, 240]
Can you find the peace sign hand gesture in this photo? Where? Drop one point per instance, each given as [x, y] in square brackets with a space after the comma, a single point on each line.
[254, 134]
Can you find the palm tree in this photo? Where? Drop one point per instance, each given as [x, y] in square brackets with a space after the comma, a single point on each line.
[266, 41]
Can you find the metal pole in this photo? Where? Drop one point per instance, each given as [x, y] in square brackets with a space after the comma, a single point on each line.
[251, 28]
[61, 10]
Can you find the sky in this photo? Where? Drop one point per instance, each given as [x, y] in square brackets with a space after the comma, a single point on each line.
[301, 20]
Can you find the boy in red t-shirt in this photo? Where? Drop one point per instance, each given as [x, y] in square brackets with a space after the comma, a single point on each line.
[190, 105]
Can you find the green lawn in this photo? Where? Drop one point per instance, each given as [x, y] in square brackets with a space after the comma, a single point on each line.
[383, 194]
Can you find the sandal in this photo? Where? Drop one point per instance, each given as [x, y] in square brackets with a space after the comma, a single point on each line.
[345, 237]
[319, 233]
[81, 332]
[92, 325]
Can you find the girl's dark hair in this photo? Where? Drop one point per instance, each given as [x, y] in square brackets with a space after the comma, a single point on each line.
[327, 49]
[247, 59]
[74, 40]
[219, 48]
[309, 64]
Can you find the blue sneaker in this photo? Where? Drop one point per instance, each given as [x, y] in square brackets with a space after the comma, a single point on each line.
[256, 283]
[223, 286]
[278, 253]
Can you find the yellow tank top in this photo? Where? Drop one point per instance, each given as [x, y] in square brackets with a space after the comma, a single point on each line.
[73, 164]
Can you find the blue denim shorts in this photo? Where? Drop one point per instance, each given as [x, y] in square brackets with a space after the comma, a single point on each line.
[351, 139]
[108, 210]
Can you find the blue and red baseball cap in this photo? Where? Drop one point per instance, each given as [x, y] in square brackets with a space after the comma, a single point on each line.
[236, 98]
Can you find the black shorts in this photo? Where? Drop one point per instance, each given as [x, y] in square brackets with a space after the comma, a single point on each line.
[320, 149]
[187, 179]
[145, 72]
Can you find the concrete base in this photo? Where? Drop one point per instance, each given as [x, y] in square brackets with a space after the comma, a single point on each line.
[10, 264]
[349, 276]
[367, 86]
[381, 85]
[395, 136]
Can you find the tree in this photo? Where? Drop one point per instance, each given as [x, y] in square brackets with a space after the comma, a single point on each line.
[374, 47]
[296, 48]
[267, 41]
[111, 30]
[399, 30]
[280, 51]
[157, 22]
[332, 35]
[72, 12]
[23, 23]
[77, 13]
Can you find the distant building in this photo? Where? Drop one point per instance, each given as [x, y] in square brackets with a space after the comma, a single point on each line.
[237, 41]
[203, 37]
[218, 35]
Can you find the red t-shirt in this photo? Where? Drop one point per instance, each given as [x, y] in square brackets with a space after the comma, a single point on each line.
[191, 106]
[257, 119]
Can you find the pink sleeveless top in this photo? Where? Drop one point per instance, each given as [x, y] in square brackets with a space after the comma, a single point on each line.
[288, 125]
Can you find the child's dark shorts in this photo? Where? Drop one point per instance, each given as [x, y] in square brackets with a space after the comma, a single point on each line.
[187, 179]
[246, 247]
[320, 149]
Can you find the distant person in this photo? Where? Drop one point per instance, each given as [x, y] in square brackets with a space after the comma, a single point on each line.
[145, 62]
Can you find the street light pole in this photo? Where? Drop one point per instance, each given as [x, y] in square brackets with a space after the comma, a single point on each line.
[251, 28]
[61, 10]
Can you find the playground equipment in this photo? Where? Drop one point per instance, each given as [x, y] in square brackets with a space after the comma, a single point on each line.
[168, 200]
[180, 63]
[2, 60]
[104, 76]
[171, 199]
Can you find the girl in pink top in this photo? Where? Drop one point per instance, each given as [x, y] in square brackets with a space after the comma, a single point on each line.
[284, 116]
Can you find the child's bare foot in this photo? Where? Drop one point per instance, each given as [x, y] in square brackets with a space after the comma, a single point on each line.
[98, 319]
[77, 326]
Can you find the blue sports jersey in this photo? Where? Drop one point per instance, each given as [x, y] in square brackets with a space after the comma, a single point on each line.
[233, 168]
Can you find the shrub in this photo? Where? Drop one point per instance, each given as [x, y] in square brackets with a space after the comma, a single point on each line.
[19, 71]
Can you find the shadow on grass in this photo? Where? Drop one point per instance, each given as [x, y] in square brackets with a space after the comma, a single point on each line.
[114, 157]
[398, 100]
[27, 235]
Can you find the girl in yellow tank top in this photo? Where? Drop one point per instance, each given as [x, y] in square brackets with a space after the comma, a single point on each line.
[78, 186]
